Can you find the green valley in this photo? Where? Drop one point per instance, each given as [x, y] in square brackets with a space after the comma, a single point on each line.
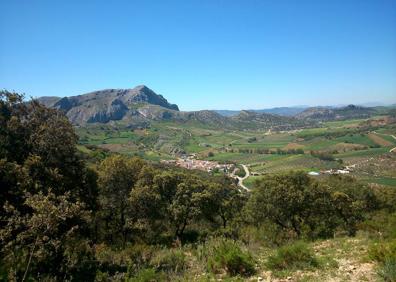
[346, 143]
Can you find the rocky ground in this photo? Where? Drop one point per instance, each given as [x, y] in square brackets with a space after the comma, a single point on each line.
[342, 259]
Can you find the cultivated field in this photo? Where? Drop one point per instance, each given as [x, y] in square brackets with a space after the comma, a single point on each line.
[333, 145]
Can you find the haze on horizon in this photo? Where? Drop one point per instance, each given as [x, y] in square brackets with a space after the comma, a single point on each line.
[204, 54]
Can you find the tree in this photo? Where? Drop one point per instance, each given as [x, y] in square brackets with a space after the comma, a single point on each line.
[35, 242]
[13, 134]
[295, 202]
[223, 202]
[42, 143]
[351, 200]
[117, 176]
[172, 201]
[45, 188]
[186, 205]
[150, 200]
[280, 199]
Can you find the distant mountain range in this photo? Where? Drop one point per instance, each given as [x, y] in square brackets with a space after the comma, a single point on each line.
[282, 111]
[325, 114]
[295, 110]
[141, 105]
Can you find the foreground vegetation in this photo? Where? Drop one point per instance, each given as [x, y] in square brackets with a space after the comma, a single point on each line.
[121, 218]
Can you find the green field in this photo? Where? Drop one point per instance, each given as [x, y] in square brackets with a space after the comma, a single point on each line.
[264, 153]
[388, 181]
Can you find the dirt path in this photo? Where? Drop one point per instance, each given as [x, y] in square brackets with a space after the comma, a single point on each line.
[393, 149]
[241, 179]
[391, 135]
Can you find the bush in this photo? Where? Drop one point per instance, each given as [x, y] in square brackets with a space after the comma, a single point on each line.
[385, 254]
[299, 206]
[324, 156]
[148, 275]
[240, 172]
[131, 259]
[3, 272]
[381, 224]
[294, 256]
[384, 251]
[169, 260]
[387, 270]
[225, 254]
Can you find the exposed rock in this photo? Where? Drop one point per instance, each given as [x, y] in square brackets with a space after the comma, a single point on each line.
[142, 105]
[111, 104]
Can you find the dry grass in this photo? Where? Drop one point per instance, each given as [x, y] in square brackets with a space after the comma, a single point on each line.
[379, 140]
[292, 146]
[345, 147]
[341, 259]
[119, 147]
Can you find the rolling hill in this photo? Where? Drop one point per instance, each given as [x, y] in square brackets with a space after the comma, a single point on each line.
[342, 113]
[141, 105]
[281, 111]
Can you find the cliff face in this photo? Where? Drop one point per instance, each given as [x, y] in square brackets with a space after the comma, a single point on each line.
[106, 105]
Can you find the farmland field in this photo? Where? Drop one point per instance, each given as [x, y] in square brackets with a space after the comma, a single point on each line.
[346, 142]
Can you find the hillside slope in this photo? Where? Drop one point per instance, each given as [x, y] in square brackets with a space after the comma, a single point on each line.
[326, 114]
[110, 104]
[141, 105]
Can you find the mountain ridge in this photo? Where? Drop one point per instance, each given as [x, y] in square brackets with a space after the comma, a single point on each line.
[282, 111]
[326, 113]
[141, 105]
[106, 105]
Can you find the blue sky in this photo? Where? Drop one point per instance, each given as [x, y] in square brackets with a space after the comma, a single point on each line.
[204, 54]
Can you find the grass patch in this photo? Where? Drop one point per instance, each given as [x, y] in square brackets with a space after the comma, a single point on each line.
[224, 255]
[387, 181]
[383, 251]
[385, 254]
[147, 275]
[387, 271]
[293, 257]
[379, 140]
[170, 261]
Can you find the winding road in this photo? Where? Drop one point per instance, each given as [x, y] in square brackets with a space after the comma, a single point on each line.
[393, 149]
[247, 173]
[241, 179]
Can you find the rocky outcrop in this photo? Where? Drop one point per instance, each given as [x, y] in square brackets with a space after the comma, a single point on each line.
[112, 104]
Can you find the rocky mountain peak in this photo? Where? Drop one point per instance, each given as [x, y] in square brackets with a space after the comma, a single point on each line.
[108, 104]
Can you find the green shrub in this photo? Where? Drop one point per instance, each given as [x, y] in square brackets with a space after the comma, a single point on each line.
[385, 254]
[240, 172]
[100, 276]
[169, 260]
[294, 256]
[383, 251]
[227, 255]
[380, 224]
[266, 234]
[387, 270]
[131, 260]
[148, 275]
